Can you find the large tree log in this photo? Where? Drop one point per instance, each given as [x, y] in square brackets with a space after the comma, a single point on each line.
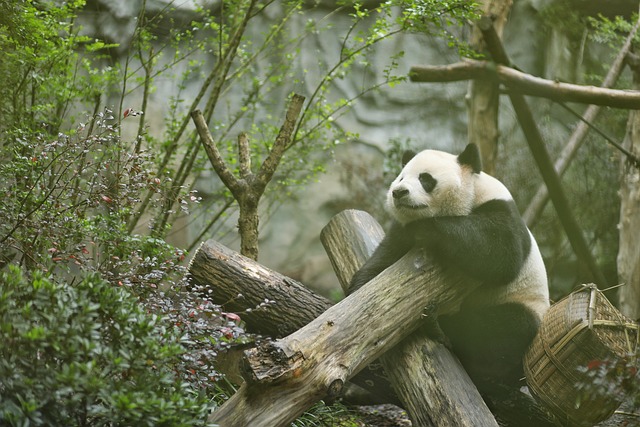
[432, 385]
[277, 305]
[285, 377]
[526, 84]
[270, 303]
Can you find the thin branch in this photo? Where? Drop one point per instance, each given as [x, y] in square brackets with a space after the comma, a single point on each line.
[244, 156]
[270, 164]
[538, 202]
[214, 155]
[227, 60]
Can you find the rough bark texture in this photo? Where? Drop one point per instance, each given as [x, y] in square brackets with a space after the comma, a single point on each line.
[278, 304]
[629, 246]
[484, 95]
[225, 274]
[285, 377]
[362, 235]
[432, 385]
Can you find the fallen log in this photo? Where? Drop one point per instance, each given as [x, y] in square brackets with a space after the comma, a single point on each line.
[285, 377]
[432, 385]
[270, 303]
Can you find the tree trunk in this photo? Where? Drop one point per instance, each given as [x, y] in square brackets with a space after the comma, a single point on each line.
[629, 246]
[285, 377]
[432, 385]
[484, 97]
[248, 188]
[269, 303]
[248, 221]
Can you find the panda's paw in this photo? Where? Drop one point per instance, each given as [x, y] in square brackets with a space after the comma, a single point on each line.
[357, 281]
[432, 328]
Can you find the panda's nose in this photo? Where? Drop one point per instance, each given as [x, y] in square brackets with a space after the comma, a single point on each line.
[399, 193]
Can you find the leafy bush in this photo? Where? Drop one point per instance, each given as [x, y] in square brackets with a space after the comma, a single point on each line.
[617, 378]
[88, 354]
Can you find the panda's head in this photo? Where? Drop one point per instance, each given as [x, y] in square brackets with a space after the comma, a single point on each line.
[434, 183]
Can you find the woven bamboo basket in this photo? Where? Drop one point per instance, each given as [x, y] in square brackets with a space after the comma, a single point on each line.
[581, 328]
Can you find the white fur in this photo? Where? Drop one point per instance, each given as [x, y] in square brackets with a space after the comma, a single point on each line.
[457, 192]
[530, 288]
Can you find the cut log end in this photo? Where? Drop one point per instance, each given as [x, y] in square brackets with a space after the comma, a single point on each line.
[269, 363]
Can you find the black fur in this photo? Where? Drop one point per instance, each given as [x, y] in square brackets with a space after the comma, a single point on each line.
[471, 244]
[471, 157]
[491, 244]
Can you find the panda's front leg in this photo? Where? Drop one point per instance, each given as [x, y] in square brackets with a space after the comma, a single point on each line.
[394, 246]
[423, 231]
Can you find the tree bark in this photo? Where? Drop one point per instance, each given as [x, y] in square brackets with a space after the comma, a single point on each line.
[432, 385]
[270, 303]
[248, 188]
[285, 377]
[484, 92]
[278, 305]
[526, 84]
[629, 245]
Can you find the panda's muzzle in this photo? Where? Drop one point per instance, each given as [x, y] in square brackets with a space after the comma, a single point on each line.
[402, 201]
[399, 193]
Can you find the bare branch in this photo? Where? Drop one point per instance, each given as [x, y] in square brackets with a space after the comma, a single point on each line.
[539, 201]
[467, 69]
[214, 155]
[244, 156]
[270, 164]
[528, 84]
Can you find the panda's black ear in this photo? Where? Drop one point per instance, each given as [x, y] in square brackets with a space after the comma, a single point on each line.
[406, 156]
[471, 157]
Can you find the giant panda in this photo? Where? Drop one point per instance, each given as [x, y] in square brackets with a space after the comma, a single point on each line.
[467, 221]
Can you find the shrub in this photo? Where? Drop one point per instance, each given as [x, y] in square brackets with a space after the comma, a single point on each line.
[88, 354]
[617, 378]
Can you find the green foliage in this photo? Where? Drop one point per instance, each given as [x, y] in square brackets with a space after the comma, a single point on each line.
[615, 378]
[88, 354]
[611, 32]
[322, 415]
[87, 208]
[42, 74]
[255, 73]
[68, 201]
[52, 70]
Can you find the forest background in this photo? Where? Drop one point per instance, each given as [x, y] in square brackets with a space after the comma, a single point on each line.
[107, 187]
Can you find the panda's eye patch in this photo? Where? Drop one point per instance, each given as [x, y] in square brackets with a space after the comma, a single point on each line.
[427, 181]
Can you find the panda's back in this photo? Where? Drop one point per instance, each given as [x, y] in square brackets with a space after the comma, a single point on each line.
[529, 287]
[489, 188]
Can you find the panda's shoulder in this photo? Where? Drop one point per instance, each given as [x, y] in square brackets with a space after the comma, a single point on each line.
[488, 188]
